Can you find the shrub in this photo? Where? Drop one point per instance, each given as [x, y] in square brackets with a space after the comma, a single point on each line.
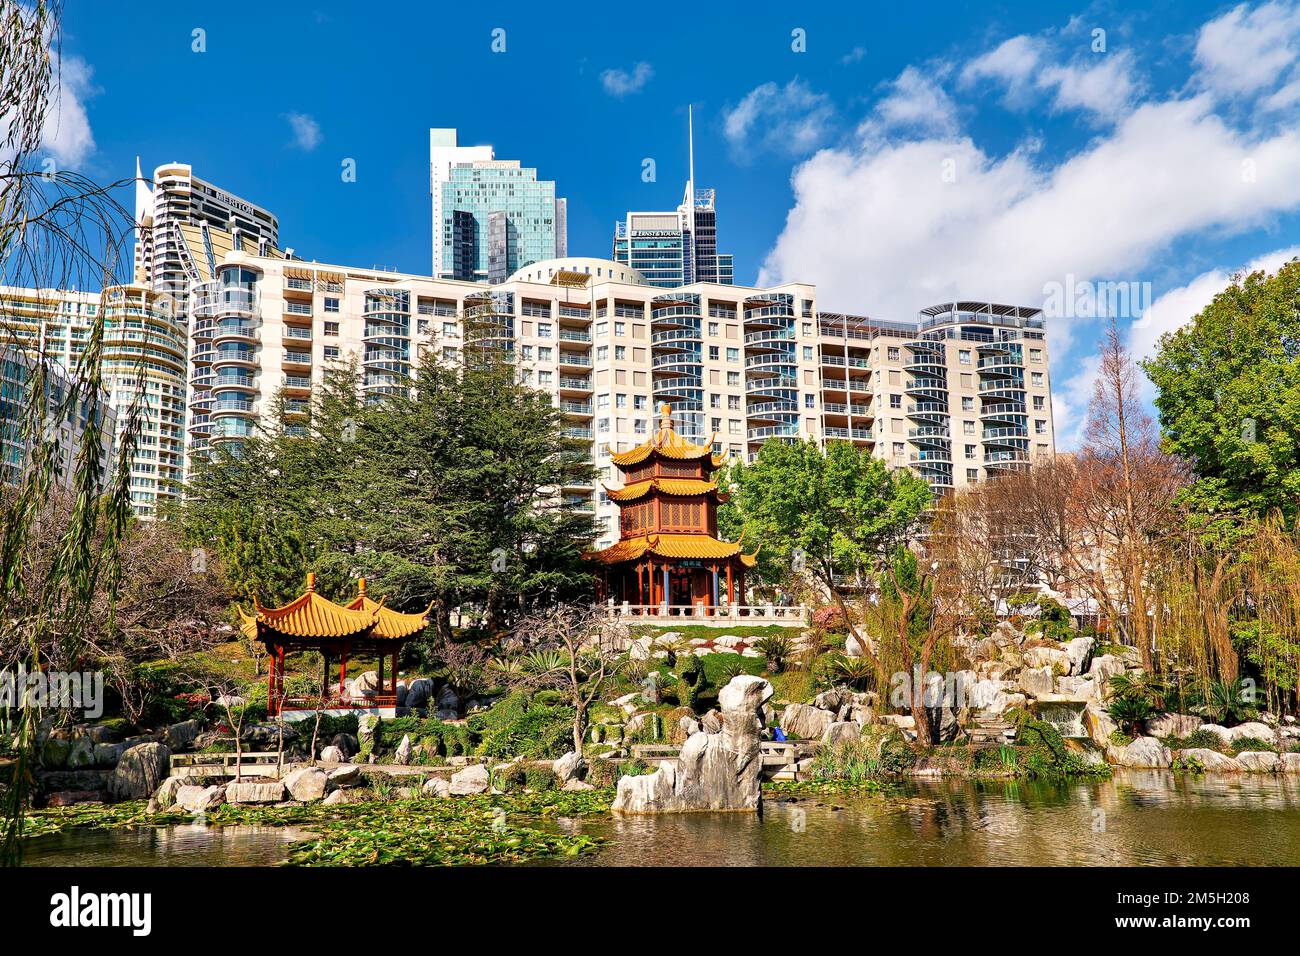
[1129, 711]
[1242, 744]
[602, 773]
[830, 618]
[511, 778]
[775, 649]
[690, 680]
[519, 725]
[539, 779]
[1199, 740]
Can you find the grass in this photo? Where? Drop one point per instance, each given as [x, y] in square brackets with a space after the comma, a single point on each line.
[692, 631]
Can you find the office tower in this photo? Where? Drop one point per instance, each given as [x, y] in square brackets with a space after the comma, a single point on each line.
[491, 216]
[676, 248]
[143, 367]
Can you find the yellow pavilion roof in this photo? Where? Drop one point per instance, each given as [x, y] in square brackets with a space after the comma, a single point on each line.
[669, 486]
[669, 444]
[390, 624]
[313, 616]
[682, 546]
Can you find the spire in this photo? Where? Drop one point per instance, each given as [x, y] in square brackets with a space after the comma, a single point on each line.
[361, 586]
[665, 418]
[690, 139]
[311, 581]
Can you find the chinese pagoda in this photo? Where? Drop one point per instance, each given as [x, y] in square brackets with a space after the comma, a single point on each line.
[340, 633]
[668, 554]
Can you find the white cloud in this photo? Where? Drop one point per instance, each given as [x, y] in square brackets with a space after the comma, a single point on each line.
[1247, 50]
[1029, 67]
[621, 82]
[1013, 63]
[790, 119]
[306, 131]
[856, 55]
[66, 132]
[914, 211]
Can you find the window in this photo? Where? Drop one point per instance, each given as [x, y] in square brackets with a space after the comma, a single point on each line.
[733, 427]
[898, 449]
[1035, 355]
[331, 304]
[331, 352]
[973, 475]
[331, 328]
[620, 328]
[733, 402]
[545, 353]
[970, 452]
[602, 353]
[620, 352]
[1036, 378]
[1040, 426]
[967, 404]
[1038, 403]
[638, 401]
[807, 353]
[544, 378]
[449, 328]
[714, 353]
[807, 328]
[713, 328]
[422, 325]
[602, 329]
[895, 401]
[715, 400]
[602, 401]
[733, 378]
[620, 400]
[527, 353]
[968, 428]
[809, 400]
[892, 353]
[963, 356]
[715, 424]
[733, 355]
[543, 330]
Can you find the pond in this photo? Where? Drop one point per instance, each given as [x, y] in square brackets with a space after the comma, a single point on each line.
[1137, 818]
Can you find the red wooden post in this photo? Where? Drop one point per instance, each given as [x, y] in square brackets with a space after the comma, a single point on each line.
[394, 676]
[379, 684]
[270, 683]
[731, 587]
[343, 669]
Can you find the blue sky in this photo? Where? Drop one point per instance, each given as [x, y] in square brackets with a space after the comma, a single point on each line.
[903, 157]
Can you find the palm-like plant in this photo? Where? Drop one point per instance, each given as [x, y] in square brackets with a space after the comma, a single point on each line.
[856, 671]
[774, 647]
[1225, 702]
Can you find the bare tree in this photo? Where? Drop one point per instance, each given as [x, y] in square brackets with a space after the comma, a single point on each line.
[573, 648]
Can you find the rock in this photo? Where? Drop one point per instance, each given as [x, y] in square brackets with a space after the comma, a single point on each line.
[448, 702]
[1098, 723]
[179, 736]
[1211, 760]
[419, 692]
[68, 798]
[714, 771]
[1255, 729]
[744, 692]
[1077, 651]
[103, 733]
[1143, 753]
[578, 785]
[365, 682]
[336, 798]
[345, 776]
[82, 753]
[901, 721]
[403, 755]
[1039, 657]
[346, 743]
[712, 722]
[804, 722]
[230, 701]
[1037, 681]
[854, 647]
[332, 754]
[166, 794]
[1260, 761]
[1077, 688]
[840, 731]
[399, 699]
[569, 767]
[306, 785]
[688, 726]
[1170, 725]
[367, 724]
[54, 754]
[269, 791]
[1103, 668]
[636, 724]
[200, 799]
[1291, 763]
[1002, 702]
[473, 779]
[436, 787]
[139, 772]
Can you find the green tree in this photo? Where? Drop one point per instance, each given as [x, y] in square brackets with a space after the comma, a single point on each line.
[1229, 397]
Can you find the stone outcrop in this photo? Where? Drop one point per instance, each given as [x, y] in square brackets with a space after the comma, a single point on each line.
[1171, 725]
[200, 799]
[1037, 681]
[569, 767]
[1098, 723]
[346, 776]
[1078, 651]
[436, 787]
[139, 772]
[332, 754]
[1210, 760]
[1260, 761]
[269, 791]
[714, 771]
[841, 731]
[403, 754]
[805, 722]
[179, 736]
[1144, 753]
[306, 785]
[475, 779]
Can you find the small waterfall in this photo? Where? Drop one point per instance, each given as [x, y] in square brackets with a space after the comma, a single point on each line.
[1065, 716]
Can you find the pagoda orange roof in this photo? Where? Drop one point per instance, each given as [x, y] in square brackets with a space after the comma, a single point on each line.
[390, 624]
[311, 615]
[669, 486]
[683, 546]
[669, 444]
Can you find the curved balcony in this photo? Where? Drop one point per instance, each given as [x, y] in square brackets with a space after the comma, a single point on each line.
[233, 356]
[212, 299]
[930, 458]
[233, 330]
[769, 337]
[763, 433]
[1008, 436]
[386, 335]
[996, 414]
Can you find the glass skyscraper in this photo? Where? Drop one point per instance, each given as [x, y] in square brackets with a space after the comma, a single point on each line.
[491, 216]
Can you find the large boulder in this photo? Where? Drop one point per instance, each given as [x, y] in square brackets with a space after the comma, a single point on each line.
[261, 791]
[1078, 651]
[1171, 725]
[1076, 688]
[804, 722]
[1144, 753]
[403, 755]
[714, 771]
[179, 736]
[1210, 760]
[569, 767]
[1253, 729]
[139, 772]
[307, 784]
[475, 779]
[165, 796]
[346, 776]
[346, 743]
[332, 754]
[436, 787]
[82, 754]
[1037, 681]
[840, 732]
[1050, 657]
[419, 692]
[1098, 723]
[54, 753]
[1260, 761]
[197, 799]
[1291, 763]
[1103, 668]
[365, 682]
[448, 703]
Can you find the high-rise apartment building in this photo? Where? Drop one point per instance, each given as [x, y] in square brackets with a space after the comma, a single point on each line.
[679, 247]
[490, 216]
[143, 367]
[956, 396]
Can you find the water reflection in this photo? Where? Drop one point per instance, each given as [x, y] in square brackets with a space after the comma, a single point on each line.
[1137, 818]
[184, 845]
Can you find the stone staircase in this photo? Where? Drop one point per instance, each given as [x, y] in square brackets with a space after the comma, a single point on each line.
[985, 731]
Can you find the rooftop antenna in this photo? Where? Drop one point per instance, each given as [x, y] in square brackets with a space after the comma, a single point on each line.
[690, 186]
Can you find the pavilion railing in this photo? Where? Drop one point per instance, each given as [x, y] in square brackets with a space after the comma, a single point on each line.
[793, 614]
[336, 702]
